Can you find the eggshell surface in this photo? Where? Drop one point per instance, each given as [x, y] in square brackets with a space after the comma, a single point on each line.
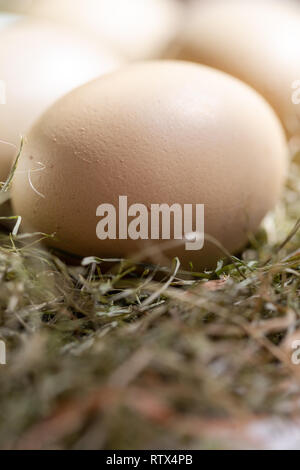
[257, 41]
[159, 133]
[39, 63]
[139, 29]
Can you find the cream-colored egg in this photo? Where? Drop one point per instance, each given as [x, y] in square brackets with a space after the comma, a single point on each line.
[257, 41]
[139, 29]
[156, 133]
[39, 63]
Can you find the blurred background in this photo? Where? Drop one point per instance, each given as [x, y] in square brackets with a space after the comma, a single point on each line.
[257, 41]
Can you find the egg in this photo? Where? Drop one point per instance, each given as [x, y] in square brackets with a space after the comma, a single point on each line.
[257, 41]
[161, 134]
[138, 29]
[39, 63]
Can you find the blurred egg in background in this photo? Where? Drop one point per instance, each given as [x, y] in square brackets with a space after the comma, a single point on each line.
[40, 61]
[257, 41]
[139, 29]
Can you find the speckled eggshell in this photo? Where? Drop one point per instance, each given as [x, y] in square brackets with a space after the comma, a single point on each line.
[39, 63]
[157, 132]
[6, 19]
[257, 41]
[19, 6]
